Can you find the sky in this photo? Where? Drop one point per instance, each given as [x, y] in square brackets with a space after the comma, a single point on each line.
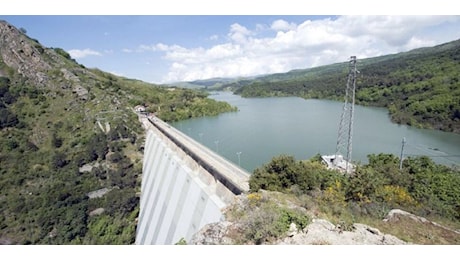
[186, 46]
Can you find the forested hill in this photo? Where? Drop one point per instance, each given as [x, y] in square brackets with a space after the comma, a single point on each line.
[71, 145]
[420, 87]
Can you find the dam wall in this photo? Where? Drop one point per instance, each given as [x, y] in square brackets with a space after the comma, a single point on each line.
[178, 195]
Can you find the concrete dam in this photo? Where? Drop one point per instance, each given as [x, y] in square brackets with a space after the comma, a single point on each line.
[184, 186]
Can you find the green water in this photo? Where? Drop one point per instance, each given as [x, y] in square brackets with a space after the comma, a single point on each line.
[267, 127]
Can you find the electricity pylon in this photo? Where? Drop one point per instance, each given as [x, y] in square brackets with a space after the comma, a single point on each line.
[345, 135]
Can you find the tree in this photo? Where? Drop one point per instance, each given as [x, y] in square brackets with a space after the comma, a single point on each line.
[278, 174]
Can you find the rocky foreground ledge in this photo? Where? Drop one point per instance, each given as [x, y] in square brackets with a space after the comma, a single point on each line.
[318, 232]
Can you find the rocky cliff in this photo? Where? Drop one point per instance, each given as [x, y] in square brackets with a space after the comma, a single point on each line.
[40, 66]
[23, 54]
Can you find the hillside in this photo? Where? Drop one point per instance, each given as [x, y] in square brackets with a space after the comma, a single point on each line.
[420, 87]
[71, 145]
[303, 202]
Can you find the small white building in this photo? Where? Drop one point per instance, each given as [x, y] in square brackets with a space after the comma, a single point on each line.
[334, 162]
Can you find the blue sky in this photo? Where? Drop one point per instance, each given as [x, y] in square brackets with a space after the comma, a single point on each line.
[168, 48]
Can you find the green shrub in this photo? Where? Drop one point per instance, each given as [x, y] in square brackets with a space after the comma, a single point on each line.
[270, 221]
[63, 53]
[181, 241]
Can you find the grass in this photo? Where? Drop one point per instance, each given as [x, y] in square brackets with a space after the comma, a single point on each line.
[263, 217]
[415, 232]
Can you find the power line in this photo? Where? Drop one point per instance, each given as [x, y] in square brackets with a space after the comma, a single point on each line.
[428, 152]
[457, 155]
[432, 153]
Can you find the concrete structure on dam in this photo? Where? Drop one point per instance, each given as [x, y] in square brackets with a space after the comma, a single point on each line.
[185, 185]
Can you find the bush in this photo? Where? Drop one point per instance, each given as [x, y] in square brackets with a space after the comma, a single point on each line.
[284, 173]
[12, 144]
[269, 221]
[116, 157]
[262, 225]
[7, 118]
[364, 183]
[280, 173]
[181, 241]
[56, 141]
[395, 196]
[58, 161]
[63, 53]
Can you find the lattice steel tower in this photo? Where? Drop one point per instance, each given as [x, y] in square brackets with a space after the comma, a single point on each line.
[345, 135]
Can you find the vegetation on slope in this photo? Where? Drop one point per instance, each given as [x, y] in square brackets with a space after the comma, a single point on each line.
[262, 219]
[420, 87]
[59, 143]
[421, 187]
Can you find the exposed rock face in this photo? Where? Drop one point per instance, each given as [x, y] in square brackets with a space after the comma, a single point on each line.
[322, 232]
[395, 214]
[36, 63]
[319, 232]
[69, 75]
[213, 234]
[19, 53]
[81, 92]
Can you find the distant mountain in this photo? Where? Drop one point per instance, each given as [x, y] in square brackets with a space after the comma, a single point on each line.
[213, 83]
[71, 145]
[419, 87]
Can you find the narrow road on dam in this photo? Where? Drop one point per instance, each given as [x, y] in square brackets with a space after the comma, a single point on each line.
[231, 173]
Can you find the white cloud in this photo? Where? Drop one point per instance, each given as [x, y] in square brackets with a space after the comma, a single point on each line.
[239, 33]
[261, 27]
[79, 54]
[160, 47]
[282, 25]
[126, 50]
[214, 37]
[308, 44]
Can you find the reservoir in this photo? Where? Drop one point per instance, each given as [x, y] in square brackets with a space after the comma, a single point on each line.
[267, 127]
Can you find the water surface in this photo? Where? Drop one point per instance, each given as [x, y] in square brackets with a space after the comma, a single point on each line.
[267, 127]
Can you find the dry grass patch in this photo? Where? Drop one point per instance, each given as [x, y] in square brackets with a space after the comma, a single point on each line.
[417, 232]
